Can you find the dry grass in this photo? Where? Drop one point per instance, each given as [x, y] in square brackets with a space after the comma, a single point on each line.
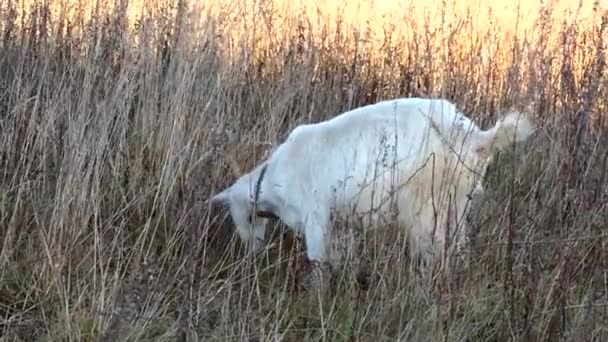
[112, 137]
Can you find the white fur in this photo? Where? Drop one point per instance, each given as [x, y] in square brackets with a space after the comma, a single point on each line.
[419, 156]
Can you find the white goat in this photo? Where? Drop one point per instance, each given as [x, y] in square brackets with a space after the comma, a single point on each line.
[415, 159]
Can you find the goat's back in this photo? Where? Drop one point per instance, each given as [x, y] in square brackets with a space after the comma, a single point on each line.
[362, 156]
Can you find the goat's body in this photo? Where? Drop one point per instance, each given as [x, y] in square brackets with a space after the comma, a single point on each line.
[405, 159]
[376, 162]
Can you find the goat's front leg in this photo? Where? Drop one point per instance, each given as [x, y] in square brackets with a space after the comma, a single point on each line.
[316, 237]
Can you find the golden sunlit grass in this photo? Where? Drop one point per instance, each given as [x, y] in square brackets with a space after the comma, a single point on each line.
[116, 120]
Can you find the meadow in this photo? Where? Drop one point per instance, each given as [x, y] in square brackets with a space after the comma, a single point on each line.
[119, 119]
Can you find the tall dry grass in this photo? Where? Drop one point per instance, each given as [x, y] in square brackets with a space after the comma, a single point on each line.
[113, 134]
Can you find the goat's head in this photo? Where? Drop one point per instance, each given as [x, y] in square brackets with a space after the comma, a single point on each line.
[240, 199]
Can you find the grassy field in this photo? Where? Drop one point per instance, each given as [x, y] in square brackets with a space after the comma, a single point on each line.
[116, 124]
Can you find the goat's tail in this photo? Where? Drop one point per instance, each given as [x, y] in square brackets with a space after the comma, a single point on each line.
[514, 127]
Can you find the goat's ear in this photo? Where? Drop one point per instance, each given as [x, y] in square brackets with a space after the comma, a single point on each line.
[219, 200]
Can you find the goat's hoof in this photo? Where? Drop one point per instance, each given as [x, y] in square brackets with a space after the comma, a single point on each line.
[318, 276]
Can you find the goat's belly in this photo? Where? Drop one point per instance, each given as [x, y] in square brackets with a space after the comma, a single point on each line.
[368, 207]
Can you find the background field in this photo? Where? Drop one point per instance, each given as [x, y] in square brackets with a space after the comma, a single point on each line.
[118, 121]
